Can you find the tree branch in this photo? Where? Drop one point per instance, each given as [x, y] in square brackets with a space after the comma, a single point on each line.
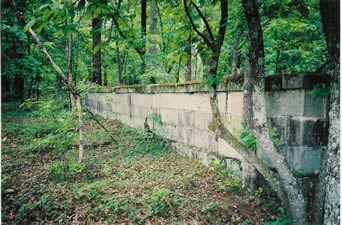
[205, 39]
[204, 20]
[94, 117]
[223, 22]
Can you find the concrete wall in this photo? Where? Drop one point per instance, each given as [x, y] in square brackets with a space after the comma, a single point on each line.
[181, 113]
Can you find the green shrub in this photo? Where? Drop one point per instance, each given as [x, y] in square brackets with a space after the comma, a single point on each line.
[210, 208]
[60, 171]
[162, 202]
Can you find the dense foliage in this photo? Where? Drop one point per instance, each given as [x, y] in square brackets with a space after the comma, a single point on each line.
[108, 38]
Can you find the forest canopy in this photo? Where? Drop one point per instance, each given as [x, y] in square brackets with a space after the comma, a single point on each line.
[142, 42]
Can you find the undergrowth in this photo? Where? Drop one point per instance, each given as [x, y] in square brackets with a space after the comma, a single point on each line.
[140, 180]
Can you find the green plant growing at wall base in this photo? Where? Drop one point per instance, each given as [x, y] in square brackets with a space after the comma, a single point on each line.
[249, 139]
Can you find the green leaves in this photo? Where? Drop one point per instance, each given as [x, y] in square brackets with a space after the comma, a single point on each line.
[29, 25]
[215, 80]
[249, 139]
[320, 90]
[275, 137]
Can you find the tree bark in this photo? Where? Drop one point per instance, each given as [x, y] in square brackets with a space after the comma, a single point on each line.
[119, 63]
[327, 199]
[96, 26]
[153, 28]
[70, 70]
[236, 61]
[105, 80]
[143, 33]
[187, 72]
[256, 58]
[80, 129]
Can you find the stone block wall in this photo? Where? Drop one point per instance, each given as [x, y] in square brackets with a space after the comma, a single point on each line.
[181, 113]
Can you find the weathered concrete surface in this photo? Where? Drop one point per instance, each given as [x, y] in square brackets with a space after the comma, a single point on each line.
[181, 113]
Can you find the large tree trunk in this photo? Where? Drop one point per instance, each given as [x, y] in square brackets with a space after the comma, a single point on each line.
[153, 28]
[96, 26]
[327, 199]
[256, 60]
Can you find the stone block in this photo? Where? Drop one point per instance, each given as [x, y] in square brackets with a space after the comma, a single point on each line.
[292, 81]
[169, 116]
[306, 160]
[235, 103]
[273, 83]
[180, 118]
[285, 103]
[189, 118]
[280, 124]
[311, 79]
[314, 106]
[212, 143]
[189, 136]
[308, 131]
[201, 140]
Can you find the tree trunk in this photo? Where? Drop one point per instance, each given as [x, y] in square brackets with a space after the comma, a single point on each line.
[30, 88]
[105, 81]
[153, 28]
[80, 122]
[187, 72]
[143, 34]
[70, 70]
[18, 86]
[256, 58]
[195, 75]
[179, 66]
[96, 26]
[247, 95]
[327, 199]
[236, 61]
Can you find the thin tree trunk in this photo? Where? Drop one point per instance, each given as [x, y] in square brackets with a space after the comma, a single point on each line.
[187, 72]
[179, 66]
[80, 122]
[30, 88]
[236, 61]
[37, 87]
[105, 81]
[96, 26]
[70, 70]
[196, 55]
[119, 63]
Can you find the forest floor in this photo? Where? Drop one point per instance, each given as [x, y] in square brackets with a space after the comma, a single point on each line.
[140, 180]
